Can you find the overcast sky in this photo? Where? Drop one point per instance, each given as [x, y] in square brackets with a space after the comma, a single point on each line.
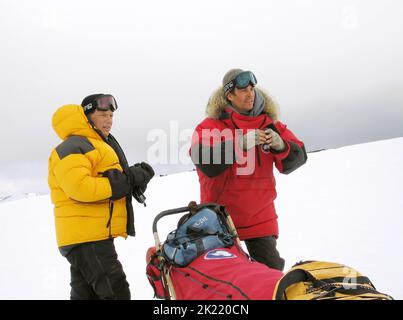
[334, 67]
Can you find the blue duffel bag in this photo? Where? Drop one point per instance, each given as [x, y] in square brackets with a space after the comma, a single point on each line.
[195, 235]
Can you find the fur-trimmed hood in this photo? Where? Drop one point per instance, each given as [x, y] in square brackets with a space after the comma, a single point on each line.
[218, 102]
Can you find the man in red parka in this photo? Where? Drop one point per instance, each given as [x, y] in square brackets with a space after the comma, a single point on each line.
[234, 150]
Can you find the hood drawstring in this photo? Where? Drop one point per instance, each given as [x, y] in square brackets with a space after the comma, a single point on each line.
[258, 156]
[256, 147]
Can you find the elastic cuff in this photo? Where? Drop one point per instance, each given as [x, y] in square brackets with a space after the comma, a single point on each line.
[119, 183]
[283, 153]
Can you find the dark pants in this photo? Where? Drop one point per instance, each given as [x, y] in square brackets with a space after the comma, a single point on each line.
[264, 250]
[96, 272]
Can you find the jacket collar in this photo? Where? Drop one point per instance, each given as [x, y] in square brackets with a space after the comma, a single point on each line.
[218, 104]
[240, 121]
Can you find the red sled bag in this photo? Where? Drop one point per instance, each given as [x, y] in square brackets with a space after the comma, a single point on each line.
[215, 273]
[224, 273]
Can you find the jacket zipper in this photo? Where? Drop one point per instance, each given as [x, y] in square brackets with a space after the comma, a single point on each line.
[109, 224]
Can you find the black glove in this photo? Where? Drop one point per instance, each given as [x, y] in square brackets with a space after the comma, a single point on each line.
[138, 194]
[119, 183]
[148, 168]
[141, 174]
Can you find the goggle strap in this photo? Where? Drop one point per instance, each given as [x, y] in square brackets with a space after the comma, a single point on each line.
[230, 85]
[88, 107]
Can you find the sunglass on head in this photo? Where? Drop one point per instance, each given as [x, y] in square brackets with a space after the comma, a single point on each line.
[241, 81]
[103, 103]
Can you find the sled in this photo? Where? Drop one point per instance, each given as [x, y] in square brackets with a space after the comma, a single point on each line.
[221, 270]
[203, 259]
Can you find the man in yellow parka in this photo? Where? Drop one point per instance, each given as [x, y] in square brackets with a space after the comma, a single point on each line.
[91, 187]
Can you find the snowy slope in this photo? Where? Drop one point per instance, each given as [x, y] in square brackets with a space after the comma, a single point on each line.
[345, 205]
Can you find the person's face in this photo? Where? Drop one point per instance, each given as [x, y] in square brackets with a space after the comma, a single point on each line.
[242, 99]
[102, 120]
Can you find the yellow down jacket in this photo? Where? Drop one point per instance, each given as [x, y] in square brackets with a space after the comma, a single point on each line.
[81, 195]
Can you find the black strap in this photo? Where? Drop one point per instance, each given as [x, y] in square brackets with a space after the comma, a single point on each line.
[289, 279]
[331, 285]
[199, 247]
[357, 280]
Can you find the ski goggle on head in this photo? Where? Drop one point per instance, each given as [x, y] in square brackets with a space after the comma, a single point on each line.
[102, 102]
[241, 81]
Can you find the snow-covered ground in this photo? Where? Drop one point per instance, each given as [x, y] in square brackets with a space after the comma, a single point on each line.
[345, 205]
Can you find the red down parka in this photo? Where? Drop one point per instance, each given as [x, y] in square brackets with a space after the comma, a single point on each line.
[243, 181]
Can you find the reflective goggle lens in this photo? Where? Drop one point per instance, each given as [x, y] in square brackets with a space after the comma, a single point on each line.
[243, 79]
[106, 102]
